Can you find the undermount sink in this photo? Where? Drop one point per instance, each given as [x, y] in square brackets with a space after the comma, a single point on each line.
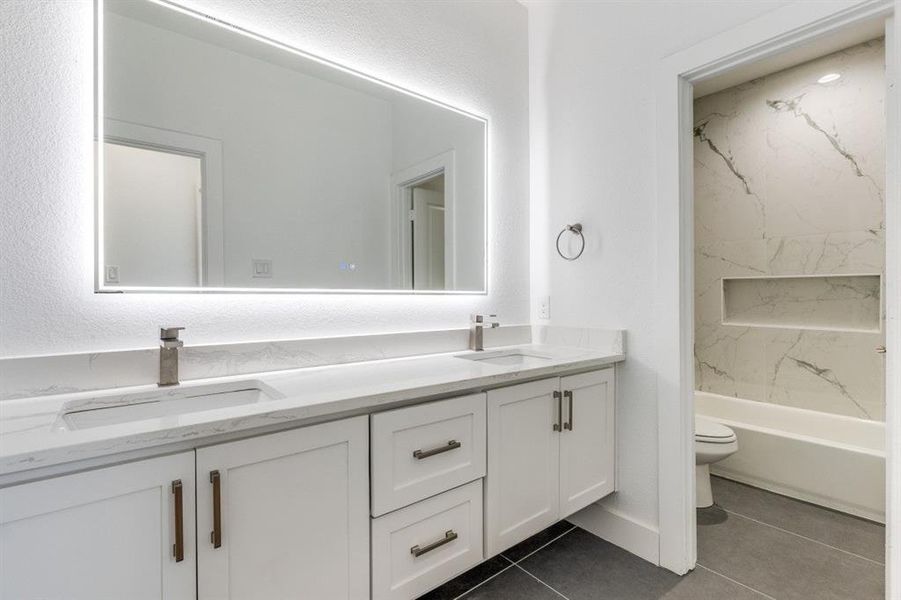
[113, 409]
[505, 357]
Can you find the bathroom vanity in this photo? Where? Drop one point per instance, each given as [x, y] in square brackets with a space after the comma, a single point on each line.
[228, 162]
[375, 480]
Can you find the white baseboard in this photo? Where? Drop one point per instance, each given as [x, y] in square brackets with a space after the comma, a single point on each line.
[629, 534]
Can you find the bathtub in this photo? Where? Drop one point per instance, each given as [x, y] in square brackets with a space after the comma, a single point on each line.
[830, 460]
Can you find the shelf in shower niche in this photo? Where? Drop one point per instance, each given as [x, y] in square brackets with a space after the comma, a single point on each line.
[825, 302]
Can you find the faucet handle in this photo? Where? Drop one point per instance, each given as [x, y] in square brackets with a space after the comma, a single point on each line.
[483, 319]
[170, 333]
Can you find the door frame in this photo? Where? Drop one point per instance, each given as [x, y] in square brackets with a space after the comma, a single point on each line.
[401, 195]
[774, 32]
[212, 214]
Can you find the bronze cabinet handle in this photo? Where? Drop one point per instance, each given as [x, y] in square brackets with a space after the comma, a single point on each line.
[449, 536]
[216, 535]
[558, 426]
[178, 549]
[569, 423]
[450, 445]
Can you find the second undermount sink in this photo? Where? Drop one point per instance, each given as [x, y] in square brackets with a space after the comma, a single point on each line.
[506, 357]
[111, 409]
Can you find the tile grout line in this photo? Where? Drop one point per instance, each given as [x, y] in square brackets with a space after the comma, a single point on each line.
[736, 582]
[481, 583]
[542, 547]
[540, 581]
[804, 537]
[513, 564]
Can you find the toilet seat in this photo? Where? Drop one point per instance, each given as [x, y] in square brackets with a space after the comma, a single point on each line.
[711, 432]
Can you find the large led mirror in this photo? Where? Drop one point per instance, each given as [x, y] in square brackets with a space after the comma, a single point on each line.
[230, 162]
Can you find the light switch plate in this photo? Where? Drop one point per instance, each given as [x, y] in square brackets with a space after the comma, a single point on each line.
[262, 268]
[544, 308]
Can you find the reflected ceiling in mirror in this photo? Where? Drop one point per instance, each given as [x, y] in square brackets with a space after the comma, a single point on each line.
[231, 162]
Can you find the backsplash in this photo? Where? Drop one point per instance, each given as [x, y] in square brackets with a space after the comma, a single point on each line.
[27, 376]
[789, 183]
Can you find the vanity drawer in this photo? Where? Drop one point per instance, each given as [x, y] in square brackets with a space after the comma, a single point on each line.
[421, 546]
[423, 450]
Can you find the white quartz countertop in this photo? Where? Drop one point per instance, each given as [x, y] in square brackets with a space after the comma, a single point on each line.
[31, 435]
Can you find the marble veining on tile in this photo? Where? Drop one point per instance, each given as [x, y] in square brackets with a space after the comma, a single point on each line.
[789, 182]
[835, 302]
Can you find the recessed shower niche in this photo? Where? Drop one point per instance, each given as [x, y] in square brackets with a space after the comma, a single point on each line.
[825, 302]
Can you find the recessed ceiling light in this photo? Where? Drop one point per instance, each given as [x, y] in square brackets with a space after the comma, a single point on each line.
[828, 78]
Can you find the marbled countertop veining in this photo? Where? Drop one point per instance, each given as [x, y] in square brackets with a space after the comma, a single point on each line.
[32, 435]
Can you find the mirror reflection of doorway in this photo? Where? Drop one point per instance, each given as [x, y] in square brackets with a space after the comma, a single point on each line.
[153, 216]
[427, 233]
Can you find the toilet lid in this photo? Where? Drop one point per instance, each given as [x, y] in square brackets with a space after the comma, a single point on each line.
[711, 431]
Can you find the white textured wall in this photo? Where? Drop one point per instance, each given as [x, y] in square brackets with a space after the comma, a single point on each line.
[592, 100]
[472, 55]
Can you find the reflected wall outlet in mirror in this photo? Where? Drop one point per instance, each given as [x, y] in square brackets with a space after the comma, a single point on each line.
[111, 274]
[186, 192]
[262, 268]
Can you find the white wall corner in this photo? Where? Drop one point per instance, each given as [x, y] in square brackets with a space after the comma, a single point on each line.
[641, 539]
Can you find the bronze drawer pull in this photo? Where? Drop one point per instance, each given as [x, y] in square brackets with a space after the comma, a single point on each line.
[558, 426]
[449, 536]
[569, 423]
[216, 534]
[179, 548]
[451, 445]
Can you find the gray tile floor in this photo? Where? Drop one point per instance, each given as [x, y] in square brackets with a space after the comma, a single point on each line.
[752, 545]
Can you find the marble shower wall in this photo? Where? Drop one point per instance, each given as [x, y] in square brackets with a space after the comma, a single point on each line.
[789, 181]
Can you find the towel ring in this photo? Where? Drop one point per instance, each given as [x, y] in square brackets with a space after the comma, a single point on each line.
[576, 229]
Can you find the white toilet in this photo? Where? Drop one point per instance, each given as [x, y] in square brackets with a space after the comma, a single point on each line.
[713, 442]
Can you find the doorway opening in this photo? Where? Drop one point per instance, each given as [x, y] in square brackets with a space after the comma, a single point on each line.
[422, 213]
[783, 36]
[427, 217]
[154, 215]
[789, 260]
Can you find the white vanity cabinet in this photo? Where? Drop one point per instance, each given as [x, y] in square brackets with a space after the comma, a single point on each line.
[587, 441]
[290, 514]
[422, 450]
[551, 452]
[286, 515]
[427, 466]
[120, 532]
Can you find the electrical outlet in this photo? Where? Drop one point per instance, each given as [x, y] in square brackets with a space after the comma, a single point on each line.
[262, 268]
[544, 308]
[111, 274]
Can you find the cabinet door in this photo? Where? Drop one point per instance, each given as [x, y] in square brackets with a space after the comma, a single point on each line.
[293, 515]
[587, 444]
[522, 484]
[106, 534]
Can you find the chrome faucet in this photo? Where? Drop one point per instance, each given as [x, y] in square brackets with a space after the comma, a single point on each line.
[169, 345]
[477, 327]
